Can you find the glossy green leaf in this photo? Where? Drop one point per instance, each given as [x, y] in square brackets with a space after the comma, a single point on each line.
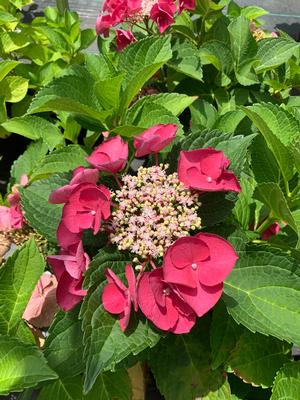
[186, 59]
[263, 293]
[22, 366]
[256, 358]
[13, 88]
[140, 61]
[18, 278]
[186, 359]
[62, 160]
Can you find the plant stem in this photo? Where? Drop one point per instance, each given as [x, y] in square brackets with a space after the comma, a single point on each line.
[118, 181]
[156, 159]
[267, 222]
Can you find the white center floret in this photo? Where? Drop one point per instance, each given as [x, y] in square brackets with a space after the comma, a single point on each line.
[166, 291]
[93, 212]
[194, 265]
[209, 179]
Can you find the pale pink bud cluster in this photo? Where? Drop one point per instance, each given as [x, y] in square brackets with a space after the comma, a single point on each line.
[153, 210]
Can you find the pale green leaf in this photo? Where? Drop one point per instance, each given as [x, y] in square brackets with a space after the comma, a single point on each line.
[108, 91]
[35, 128]
[11, 41]
[287, 382]
[13, 88]
[18, 278]
[6, 66]
[222, 393]
[21, 365]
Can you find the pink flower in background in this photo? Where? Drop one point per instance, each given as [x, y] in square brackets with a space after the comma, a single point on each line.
[42, 306]
[69, 269]
[103, 24]
[110, 156]
[5, 219]
[117, 298]
[124, 38]
[273, 230]
[162, 13]
[206, 170]
[154, 139]
[198, 265]
[162, 305]
[186, 5]
[80, 175]
[87, 206]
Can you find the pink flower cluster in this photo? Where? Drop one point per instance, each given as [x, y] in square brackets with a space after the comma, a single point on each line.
[153, 217]
[115, 12]
[11, 217]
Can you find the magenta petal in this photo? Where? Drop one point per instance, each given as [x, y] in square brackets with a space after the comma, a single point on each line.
[61, 195]
[85, 175]
[201, 299]
[113, 278]
[229, 182]
[65, 299]
[188, 250]
[67, 238]
[184, 324]
[113, 299]
[130, 276]
[221, 261]
[125, 317]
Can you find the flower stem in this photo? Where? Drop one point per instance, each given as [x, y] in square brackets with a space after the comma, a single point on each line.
[118, 181]
[156, 159]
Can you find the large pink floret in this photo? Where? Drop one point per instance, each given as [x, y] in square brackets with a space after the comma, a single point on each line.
[206, 169]
[154, 139]
[117, 298]
[87, 206]
[198, 266]
[110, 156]
[162, 305]
[69, 269]
[80, 175]
[162, 13]
[124, 38]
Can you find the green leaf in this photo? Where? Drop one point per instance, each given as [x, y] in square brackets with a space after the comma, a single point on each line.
[224, 333]
[41, 215]
[108, 91]
[219, 55]
[150, 114]
[242, 209]
[271, 195]
[11, 41]
[174, 102]
[64, 346]
[99, 66]
[203, 113]
[199, 138]
[273, 52]
[253, 12]
[6, 67]
[18, 278]
[70, 93]
[222, 393]
[244, 50]
[140, 61]
[263, 162]
[22, 366]
[287, 382]
[229, 121]
[280, 130]
[28, 160]
[87, 37]
[186, 358]
[263, 293]
[62, 160]
[13, 88]
[107, 387]
[256, 358]
[35, 128]
[105, 344]
[186, 59]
